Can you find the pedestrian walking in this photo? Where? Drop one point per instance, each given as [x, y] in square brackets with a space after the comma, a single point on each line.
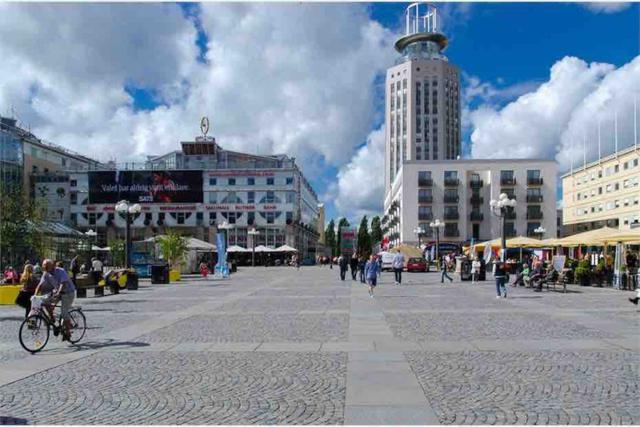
[362, 263]
[500, 275]
[371, 270]
[96, 270]
[344, 266]
[475, 270]
[446, 265]
[398, 265]
[29, 283]
[353, 263]
[75, 268]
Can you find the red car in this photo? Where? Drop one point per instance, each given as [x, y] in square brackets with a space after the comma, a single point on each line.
[417, 264]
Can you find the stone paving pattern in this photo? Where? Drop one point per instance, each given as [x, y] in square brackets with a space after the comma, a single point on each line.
[280, 346]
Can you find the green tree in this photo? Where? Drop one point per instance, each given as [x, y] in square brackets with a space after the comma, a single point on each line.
[330, 237]
[118, 249]
[173, 248]
[364, 238]
[341, 224]
[376, 230]
[19, 235]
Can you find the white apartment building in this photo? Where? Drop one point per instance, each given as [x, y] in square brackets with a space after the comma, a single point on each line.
[424, 177]
[605, 192]
[458, 193]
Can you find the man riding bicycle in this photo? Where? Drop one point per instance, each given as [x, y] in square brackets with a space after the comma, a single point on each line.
[56, 280]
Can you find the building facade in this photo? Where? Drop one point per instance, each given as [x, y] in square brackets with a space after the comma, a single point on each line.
[603, 193]
[197, 189]
[458, 193]
[26, 160]
[425, 179]
[422, 100]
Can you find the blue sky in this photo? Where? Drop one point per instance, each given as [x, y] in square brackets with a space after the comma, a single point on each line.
[307, 80]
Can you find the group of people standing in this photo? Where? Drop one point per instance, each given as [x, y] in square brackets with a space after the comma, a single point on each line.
[369, 270]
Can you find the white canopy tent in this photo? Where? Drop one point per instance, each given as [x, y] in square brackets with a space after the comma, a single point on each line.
[285, 248]
[236, 248]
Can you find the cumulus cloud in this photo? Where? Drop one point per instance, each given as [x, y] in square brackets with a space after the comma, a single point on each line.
[360, 186]
[294, 78]
[550, 121]
[607, 7]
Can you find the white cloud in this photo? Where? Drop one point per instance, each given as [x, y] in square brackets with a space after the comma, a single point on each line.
[550, 121]
[360, 187]
[607, 7]
[287, 78]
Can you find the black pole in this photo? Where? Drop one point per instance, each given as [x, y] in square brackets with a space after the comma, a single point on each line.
[127, 234]
[504, 232]
[253, 251]
[438, 248]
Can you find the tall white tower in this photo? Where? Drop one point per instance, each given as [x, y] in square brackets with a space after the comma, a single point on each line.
[422, 113]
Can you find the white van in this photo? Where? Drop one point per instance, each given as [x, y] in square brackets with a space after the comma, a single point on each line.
[387, 260]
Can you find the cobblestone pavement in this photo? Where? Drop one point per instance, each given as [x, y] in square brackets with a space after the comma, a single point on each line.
[280, 346]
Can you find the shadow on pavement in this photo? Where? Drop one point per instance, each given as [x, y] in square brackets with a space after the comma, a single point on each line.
[8, 421]
[11, 318]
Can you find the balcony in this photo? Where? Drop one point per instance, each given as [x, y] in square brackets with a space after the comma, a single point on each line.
[425, 216]
[451, 199]
[425, 199]
[534, 181]
[425, 182]
[476, 183]
[534, 198]
[451, 215]
[477, 200]
[476, 216]
[448, 232]
[510, 215]
[508, 181]
[508, 193]
[451, 182]
[534, 215]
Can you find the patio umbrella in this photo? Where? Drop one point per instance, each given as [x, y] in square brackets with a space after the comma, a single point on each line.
[285, 248]
[623, 236]
[587, 238]
[236, 248]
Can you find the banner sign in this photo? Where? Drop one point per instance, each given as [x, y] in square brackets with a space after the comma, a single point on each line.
[222, 268]
[233, 173]
[145, 186]
[348, 241]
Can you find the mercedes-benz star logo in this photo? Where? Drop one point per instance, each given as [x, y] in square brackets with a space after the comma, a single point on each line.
[204, 126]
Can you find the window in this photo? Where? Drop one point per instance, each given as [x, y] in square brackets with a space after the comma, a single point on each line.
[232, 181]
[289, 180]
[506, 175]
[616, 168]
[213, 197]
[251, 196]
[180, 217]
[425, 213]
[251, 181]
[270, 198]
[269, 181]
[251, 218]
[213, 181]
[289, 217]
[425, 195]
[73, 197]
[74, 218]
[212, 218]
[450, 175]
[290, 197]
[73, 183]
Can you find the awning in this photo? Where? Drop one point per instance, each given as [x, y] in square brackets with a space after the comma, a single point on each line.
[262, 248]
[285, 248]
[631, 235]
[596, 237]
[192, 243]
[408, 251]
[236, 248]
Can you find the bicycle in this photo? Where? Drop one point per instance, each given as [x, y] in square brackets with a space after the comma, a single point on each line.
[35, 329]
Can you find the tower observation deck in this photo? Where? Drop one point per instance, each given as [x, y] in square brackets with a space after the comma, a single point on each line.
[422, 40]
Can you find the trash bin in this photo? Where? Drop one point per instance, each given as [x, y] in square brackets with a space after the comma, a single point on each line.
[132, 280]
[465, 269]
[160, 274]
[482, 275]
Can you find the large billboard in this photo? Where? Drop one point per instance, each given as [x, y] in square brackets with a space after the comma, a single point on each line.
[145, 186]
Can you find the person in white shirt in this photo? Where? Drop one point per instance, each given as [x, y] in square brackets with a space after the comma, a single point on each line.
[96, 270]
[475, 270]
[398, 265]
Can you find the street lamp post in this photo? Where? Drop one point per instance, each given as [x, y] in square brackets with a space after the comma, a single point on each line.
[418, 231]
[226, 227]
[254, 233]
[540, 231]
[499, 208]
[437, 225]
[127, 209]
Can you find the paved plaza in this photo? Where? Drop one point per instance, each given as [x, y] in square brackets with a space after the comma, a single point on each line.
[281, 346]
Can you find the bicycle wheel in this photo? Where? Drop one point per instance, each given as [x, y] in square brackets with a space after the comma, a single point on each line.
[34, 333]
[78, 325]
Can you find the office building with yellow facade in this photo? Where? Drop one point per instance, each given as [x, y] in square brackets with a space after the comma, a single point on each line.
[605, 192]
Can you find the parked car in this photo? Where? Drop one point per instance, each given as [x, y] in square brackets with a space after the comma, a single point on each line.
[417, 264]
[387, 260]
